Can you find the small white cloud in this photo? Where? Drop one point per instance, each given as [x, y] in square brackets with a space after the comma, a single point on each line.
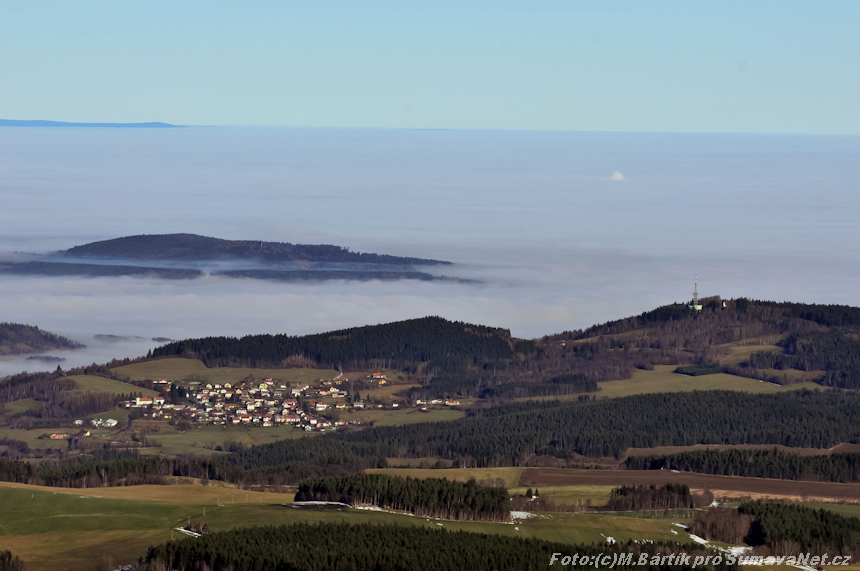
[616, 176]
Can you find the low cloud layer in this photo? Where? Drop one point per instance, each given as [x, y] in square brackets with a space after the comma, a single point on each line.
[531, 297]
[769, 217]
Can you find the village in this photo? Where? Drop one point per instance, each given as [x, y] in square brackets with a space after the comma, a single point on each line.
[267, 403]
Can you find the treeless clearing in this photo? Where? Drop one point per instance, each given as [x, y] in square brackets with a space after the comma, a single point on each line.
[570, 495]
[93, 384]
[385, 392]
[177, 369]
[510, 475]
[181, 493]
[663, 379]
[721, 486]
[738, 352]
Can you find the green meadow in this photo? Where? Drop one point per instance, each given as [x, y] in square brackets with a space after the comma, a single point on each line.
[75, 529]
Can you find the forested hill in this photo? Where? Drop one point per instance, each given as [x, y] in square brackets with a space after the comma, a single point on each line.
[510, 435]
[188, 247]
[17, 338]
[410, 344]
[461, 360]
[742, 310]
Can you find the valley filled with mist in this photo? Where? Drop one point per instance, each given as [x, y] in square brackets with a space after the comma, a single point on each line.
[546, 232]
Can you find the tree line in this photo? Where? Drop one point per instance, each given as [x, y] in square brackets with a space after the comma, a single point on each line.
[426, 497]
[412, 344]
[771, 463]
[327, 546]
[8, 562]
[781, 529]
[836, 352]
[790, 529]
[667, 497]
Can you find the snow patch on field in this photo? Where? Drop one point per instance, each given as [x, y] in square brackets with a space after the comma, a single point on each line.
[699, 540]
[523, 515]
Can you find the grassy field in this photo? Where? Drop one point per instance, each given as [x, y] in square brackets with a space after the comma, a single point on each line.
[663, 380]
[80, 528]
[848, 510]
[721, 486]
[31, 437]
[414, 416]
[511, 476]
[22, 405]
[196, 441]
[86, 384]
[571, 495]
[739, 352]
[385, 392]
[177, 369]
[91, 384]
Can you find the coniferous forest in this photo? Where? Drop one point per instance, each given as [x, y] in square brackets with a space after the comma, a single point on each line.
[427, 497]
[510, 435]
[773, 463]
[782, 528]
[666, 497]
[326, 547]
[410, 344]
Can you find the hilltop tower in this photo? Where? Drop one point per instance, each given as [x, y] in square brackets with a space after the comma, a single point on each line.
[696, 306]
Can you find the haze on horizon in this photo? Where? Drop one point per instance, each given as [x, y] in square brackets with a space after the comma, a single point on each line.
[662, 66]
[557, 240]
[560, 159]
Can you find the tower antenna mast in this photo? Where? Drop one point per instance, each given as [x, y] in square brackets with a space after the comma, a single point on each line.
[695, 306]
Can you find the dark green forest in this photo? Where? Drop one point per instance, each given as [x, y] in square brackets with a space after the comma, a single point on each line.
[509, 435]
[30, 335]
[344, 547]
[427, 497]
[666, 497]
[783, 529]
[788, 529]
[773, 463]
[405, 345]
[836, 352]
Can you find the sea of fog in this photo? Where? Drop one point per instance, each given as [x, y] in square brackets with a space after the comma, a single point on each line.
[556, 241]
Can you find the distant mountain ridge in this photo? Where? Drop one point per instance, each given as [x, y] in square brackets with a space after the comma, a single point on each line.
[18, 338]
[195, 247]
[190, 256]
[42, 123]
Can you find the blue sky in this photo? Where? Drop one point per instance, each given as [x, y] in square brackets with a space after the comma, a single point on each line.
[764, 67]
